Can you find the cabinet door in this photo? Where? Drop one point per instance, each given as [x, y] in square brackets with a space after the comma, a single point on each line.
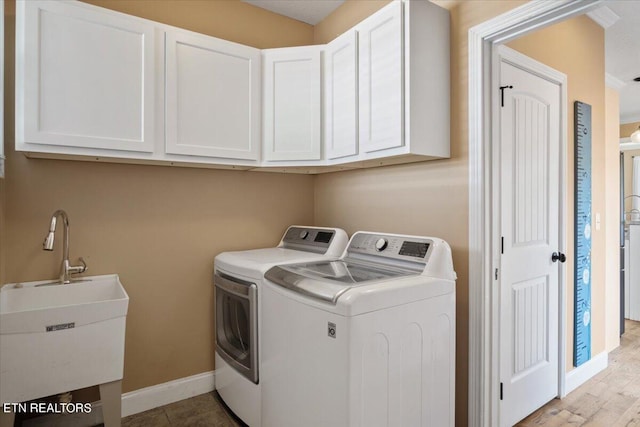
[341, 96]
[84, 77]
[292, 103]
[212, 98]
[380, 79]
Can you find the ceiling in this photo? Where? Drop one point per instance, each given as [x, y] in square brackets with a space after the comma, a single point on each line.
[309, 11]
[622, 55]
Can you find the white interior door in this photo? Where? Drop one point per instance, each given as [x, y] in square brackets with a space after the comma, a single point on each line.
[530, 132]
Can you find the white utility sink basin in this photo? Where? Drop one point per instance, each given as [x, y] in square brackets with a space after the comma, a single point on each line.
[56, 338]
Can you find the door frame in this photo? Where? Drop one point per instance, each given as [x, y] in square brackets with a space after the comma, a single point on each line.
[531, 16]
[510, 56]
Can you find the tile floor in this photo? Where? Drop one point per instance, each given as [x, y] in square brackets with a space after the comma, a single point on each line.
[610, 399]
[205, 410]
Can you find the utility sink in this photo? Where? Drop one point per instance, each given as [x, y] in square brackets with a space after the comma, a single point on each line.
[36, 306]
[60, 337]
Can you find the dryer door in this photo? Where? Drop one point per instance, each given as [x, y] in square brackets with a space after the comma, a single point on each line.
[237, 324]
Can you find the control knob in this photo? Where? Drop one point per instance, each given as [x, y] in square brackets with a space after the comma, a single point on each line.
[304, 234]
[381, 244]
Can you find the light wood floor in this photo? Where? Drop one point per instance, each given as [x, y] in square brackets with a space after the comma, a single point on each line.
[610, 399]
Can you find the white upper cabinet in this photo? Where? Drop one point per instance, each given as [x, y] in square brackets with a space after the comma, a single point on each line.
[380, 79]
[398, 62]
[83, 78]
[213, 93]
[100, 85]
[426, 80]
[292, 114]
[341, 96]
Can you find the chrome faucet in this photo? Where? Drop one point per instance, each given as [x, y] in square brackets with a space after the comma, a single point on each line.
[66, 270]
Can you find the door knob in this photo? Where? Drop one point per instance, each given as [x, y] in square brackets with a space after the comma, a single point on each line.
[558, 256]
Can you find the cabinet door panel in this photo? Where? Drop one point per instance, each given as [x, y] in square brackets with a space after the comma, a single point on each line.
[213, 97]
[85, 77]
[381, 82]
[292, 103]
[341, 96]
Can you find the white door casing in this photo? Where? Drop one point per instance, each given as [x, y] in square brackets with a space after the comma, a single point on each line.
[529, 180]
[483, 243]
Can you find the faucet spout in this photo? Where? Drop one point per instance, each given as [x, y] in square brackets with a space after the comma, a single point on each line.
[48, 241]
[65, 268]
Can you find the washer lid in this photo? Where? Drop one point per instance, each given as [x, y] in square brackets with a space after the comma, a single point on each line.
[327, 280]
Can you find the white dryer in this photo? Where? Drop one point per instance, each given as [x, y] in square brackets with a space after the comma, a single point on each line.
[367, 340]
[238, 278]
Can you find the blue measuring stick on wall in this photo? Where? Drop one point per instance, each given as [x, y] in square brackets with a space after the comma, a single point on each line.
[582, 278]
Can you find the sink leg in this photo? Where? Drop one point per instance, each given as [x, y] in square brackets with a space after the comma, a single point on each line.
[111, 397]
[7, 418]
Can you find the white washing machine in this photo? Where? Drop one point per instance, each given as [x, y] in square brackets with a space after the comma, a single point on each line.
[238, 278]
[367, 340]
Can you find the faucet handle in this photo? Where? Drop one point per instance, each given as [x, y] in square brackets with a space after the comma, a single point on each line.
[77, 269]
[84, 265]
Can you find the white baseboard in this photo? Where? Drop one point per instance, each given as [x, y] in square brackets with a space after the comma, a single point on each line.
[147, 398]
[583, 373]
[134, 402]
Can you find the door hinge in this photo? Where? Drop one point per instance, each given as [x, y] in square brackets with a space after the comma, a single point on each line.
[501, 395]
[502, 88]
[502, 245]
[496, 274]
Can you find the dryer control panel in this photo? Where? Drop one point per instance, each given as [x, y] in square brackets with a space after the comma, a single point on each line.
[309, 239]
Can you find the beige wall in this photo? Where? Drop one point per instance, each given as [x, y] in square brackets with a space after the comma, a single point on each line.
[8, 100]
[227, 19]
[346, 16]
[612, 207]
[625, 131]
[354, 11]
[158, 227]
[628, 128]
[2, 232]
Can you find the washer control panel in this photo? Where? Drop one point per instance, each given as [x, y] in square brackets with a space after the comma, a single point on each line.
[308, 239]
[381, 244]
[406, 248]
